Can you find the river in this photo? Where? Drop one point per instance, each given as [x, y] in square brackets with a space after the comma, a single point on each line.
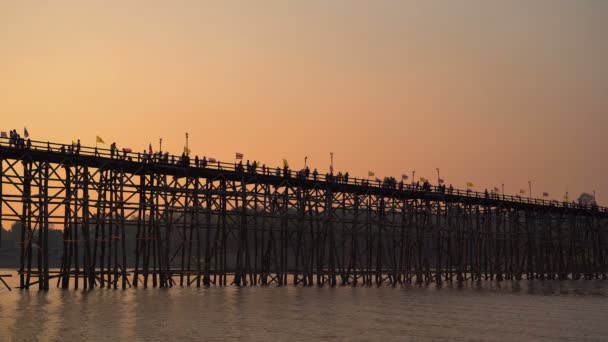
[488, 311]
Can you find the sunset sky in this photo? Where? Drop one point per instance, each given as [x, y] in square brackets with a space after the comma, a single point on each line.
[488, 91]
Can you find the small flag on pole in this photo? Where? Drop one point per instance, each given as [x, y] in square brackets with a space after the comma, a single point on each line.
[371, 174]
[150, 148]
[285, 163]
[3, 135]
[404, 177]
[239, 156]
[98, 139]
[26, 134]
[545, 194]
[469, 184]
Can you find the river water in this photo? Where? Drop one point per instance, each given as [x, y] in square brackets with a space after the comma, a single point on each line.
[506, 311]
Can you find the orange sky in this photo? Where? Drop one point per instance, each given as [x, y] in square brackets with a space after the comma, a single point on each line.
[488, 91]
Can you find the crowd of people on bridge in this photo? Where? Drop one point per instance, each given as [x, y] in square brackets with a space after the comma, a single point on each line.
[17, 141]
[251, 168]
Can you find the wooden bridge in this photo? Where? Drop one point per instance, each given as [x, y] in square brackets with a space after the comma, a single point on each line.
[130, 221]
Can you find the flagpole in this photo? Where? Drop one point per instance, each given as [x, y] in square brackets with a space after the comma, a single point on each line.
[503, 191]
[305, 158]
[530, 188]
[160, 145]
[187, 147]
[331, 156]
[413, 176]
[438, 177]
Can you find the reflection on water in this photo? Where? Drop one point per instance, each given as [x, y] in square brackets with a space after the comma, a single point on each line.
[549, 310]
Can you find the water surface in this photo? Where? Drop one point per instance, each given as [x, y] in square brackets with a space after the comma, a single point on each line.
[517, 311]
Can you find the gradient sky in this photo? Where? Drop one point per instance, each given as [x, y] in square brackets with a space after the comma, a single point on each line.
[488, 91]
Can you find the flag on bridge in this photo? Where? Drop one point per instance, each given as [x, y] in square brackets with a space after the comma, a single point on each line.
[469, 185]
[26, 134]
[150, 148]
[371, 174]
[239, 156]
[98, 139]
[285, 163]
[404, 176]
[545, 194]
[3, 135]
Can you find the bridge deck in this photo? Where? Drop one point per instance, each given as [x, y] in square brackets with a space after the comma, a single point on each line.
[131, 162]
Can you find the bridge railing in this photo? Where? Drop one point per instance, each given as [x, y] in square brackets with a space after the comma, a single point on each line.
[166, 159]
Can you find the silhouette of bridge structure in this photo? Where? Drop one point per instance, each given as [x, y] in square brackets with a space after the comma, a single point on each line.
[130, 222]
